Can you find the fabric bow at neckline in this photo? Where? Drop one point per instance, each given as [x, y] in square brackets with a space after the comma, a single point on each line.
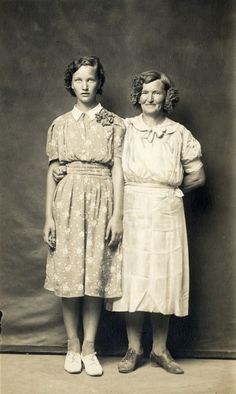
[149, 133]
[154, 132]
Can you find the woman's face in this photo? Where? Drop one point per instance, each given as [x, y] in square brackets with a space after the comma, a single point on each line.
[85, 84]
[152, 97]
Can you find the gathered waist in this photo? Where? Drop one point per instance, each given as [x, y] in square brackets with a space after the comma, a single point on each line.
[86, 168]
[150, 187]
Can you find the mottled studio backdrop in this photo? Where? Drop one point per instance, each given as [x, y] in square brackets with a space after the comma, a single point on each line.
[192, 41]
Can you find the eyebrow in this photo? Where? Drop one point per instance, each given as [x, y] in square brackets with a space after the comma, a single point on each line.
[151, 91]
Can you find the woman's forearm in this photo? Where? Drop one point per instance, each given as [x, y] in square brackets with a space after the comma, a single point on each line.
[194, 180]
[118, 187]
[51, 186]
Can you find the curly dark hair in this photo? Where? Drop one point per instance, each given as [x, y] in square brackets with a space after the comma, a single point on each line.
[172, 94]
[93, 61]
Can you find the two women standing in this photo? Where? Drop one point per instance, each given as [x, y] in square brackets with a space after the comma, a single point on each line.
[83, 220]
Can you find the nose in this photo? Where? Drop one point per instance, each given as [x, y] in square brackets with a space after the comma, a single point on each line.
[150, 97]
[85, 85]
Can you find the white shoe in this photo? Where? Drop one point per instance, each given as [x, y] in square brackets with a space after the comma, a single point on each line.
[73, 362]
[92, 365]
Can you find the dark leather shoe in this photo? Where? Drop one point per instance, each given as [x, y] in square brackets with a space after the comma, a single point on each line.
[130, 361]
[165, 361]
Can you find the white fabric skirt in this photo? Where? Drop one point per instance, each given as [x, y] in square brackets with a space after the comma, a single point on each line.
[155, 275]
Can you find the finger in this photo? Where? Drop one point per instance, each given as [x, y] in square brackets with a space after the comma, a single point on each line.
[58, 177]
[108, 231]
[52, 242]
[113, 240]
[120, 238]
[47, 241]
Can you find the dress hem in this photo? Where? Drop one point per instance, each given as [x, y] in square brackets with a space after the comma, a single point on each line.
[58, 294]
[125, 310]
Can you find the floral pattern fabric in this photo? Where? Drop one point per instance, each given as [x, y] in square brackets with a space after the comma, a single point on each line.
[82, 263]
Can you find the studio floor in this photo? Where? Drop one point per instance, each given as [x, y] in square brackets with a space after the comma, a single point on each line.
[44, 374]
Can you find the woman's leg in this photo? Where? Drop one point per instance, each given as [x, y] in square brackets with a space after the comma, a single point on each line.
[134, 326]
[70, 311]
[91, 315]
[160, 356]
[160, 326]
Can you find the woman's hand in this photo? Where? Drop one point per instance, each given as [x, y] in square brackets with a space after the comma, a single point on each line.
[114, 231]
[50, 234]
[58, 173]
[193, 180]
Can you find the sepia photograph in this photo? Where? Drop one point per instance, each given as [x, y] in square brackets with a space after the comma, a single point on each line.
[118, 202]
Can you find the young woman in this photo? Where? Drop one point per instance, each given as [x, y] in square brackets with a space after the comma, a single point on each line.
[159, 156]
[84, 211]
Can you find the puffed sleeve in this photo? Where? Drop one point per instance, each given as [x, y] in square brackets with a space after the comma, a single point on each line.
[119, 133]
[52, 143]
[191, 152]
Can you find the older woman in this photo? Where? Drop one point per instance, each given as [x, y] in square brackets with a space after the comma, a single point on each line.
[159, 156]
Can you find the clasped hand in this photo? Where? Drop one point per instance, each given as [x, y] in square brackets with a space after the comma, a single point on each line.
[59, 173]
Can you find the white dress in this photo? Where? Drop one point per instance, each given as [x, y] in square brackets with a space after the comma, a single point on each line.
[155, 275]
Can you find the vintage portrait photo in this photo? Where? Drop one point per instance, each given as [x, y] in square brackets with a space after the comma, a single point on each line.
[118, 238]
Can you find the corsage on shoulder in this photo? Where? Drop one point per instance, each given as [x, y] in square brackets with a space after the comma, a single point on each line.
[104, 117]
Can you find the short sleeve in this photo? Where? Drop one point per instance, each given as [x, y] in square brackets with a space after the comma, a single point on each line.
[52, 143]
[191, 152]
[119, 133]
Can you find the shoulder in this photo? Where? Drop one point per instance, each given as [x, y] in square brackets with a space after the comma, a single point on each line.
[115, 119]
[60, 120]
[171, 127]
[135, 121]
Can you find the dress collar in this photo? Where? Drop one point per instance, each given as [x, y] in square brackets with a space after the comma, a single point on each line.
[76, 113]
[168, 126]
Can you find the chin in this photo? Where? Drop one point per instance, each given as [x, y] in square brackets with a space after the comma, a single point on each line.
[86, 100]
[151, 112]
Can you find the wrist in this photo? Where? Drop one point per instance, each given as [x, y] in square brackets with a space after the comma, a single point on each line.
[117, 215]
[49, 218]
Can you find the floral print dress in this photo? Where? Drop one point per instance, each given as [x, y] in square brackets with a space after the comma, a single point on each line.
[82, 263]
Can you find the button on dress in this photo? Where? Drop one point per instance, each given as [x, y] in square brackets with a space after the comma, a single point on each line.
[82, 263]
[155, 250]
